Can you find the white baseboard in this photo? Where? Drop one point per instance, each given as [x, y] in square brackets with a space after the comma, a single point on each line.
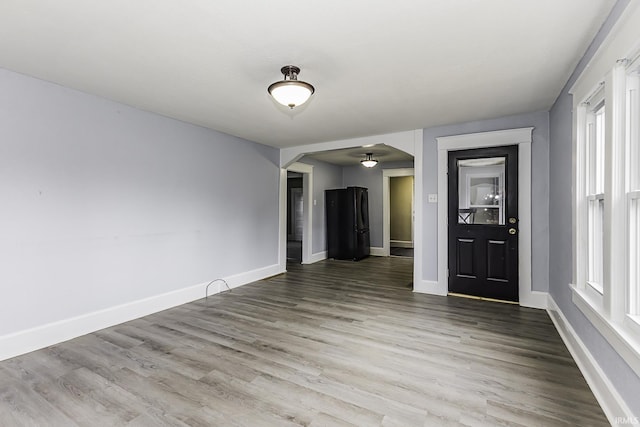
[376, 251]
[252, 276]
[428, 287]
[318, 256]
[606, 394]
[401, 243]
[39, 337]
[534, 299]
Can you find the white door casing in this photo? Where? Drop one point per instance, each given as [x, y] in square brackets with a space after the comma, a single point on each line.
[307, 208]
[386, 206]
[522, 137]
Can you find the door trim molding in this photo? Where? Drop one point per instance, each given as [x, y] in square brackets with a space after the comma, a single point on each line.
[307, 208]
[522, 137]
[386, 205]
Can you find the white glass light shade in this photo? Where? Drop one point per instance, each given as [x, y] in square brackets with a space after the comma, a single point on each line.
[369, 161]
[291, 93]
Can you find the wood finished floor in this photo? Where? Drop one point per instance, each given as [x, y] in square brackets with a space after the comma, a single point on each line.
[335, 343]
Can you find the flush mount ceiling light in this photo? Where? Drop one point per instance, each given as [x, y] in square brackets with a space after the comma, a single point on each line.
[369, 161]
[291, 92]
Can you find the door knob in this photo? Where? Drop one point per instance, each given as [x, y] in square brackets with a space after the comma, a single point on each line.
[512, 231]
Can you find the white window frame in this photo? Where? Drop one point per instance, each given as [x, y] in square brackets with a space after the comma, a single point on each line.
[632, 150]
[612, 312]
[482, 172]
[593, 175]
[632, 317]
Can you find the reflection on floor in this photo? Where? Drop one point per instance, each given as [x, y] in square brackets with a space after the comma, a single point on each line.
[405, 252]
[294, 250]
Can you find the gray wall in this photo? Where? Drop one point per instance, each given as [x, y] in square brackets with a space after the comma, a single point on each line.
[372, 179]
[103, 204]
[560, 224]
[539, 189]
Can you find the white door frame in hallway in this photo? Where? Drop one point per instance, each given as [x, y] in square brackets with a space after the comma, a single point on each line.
[386, 206]
[307, 207]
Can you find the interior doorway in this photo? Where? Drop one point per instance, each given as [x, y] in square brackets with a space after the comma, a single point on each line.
[407, 142]
[401, 216]
[297, 204]
[398, 195]
[295, 216]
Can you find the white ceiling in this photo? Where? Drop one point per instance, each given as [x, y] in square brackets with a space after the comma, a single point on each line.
[377, 66]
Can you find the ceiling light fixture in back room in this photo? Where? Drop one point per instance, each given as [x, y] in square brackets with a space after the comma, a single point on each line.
[291, 92]
[369, 161]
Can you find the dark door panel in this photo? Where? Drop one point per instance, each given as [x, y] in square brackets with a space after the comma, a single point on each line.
[483, 226]
[497, 261]
[466, 258]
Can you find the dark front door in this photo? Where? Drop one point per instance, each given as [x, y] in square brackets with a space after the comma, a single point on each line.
[483, 222]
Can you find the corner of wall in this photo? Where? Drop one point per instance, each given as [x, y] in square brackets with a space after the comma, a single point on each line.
[318, 256]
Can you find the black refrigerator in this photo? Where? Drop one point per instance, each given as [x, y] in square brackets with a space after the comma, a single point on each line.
[347, 223]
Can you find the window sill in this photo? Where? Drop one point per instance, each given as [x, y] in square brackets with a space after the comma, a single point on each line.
[622, 338]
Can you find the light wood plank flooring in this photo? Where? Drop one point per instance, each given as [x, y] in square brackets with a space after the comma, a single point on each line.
[335, 343]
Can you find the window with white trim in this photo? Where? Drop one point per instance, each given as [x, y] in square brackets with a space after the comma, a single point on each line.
[594, 186]
[607, 204]
[632, 192]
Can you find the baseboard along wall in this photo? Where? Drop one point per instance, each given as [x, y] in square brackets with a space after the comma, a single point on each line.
[53, 333]
[401, 244]
[605, 392]
[25, 341]
[376, 251]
